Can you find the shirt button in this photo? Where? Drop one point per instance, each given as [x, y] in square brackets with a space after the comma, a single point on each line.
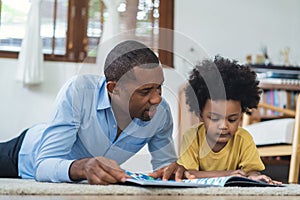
[114, 126]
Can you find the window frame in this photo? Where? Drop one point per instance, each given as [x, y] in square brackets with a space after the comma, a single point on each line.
[78, 17]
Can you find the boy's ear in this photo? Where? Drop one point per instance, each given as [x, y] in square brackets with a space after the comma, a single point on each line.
[201, 117]
[112, 87]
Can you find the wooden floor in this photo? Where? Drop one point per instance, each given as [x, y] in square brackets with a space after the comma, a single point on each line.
[83, 197]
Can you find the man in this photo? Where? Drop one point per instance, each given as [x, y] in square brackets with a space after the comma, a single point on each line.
[98, 123]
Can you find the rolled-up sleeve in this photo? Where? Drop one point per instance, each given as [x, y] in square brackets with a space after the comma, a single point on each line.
[161, 146]
[58, 138]
[54, 170]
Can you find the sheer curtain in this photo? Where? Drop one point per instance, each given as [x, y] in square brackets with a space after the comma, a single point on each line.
[30, 63]
[111, 26]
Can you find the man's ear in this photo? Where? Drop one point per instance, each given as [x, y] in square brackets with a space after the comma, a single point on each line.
[112, 87]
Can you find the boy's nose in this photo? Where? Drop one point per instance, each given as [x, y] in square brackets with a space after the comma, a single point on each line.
[223, 125]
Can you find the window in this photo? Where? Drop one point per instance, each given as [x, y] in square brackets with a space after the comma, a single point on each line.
[13, 18]
[54, 25]
[72, 29]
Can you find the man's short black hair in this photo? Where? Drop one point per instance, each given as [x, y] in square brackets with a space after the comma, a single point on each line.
[222, 79]
[126, 55]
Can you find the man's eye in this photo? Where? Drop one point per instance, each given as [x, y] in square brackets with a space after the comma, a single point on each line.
[144, 92]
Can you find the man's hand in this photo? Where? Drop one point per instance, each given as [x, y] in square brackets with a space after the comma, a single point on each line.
[98, 170]
[172, 171]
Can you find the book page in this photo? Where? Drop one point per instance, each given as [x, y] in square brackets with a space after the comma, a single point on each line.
[218, 181]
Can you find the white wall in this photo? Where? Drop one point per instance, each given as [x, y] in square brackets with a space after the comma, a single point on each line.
[22, 107]
[235, 28]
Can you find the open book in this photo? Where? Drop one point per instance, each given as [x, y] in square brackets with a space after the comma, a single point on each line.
[145, 180]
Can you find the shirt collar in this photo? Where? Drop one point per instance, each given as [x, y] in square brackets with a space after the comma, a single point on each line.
[103, 98]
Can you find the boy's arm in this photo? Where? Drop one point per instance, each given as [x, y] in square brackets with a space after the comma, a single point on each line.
[257, 176]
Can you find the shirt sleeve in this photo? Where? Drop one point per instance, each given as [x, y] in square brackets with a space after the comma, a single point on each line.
[250, 158]
[161, 146]
[59, 137]
[189, 150]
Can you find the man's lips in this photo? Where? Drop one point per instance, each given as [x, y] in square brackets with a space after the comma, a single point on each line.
[151, 112]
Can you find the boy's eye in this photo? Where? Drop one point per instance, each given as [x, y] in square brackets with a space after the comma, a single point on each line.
[232, 120]
[214, 119]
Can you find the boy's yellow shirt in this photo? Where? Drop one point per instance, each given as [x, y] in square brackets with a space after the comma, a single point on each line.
[239, 153]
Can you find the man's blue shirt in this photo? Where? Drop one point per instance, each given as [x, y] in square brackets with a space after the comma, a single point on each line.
[83, 125]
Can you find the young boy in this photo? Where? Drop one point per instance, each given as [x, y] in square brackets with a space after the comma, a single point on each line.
[219, 92]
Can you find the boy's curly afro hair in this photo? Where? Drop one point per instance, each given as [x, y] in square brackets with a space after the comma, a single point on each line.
[222, 79]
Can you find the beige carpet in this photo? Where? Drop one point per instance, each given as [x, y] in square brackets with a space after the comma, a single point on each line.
[30, 187]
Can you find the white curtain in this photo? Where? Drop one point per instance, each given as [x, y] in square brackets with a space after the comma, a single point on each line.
[30, 64]
[111, 26]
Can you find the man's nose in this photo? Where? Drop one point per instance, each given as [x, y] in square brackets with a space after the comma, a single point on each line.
[155, 98]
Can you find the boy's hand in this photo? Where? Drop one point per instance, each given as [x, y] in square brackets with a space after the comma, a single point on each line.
[264, 178]
[173, 171]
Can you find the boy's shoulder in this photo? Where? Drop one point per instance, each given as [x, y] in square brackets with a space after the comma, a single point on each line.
[194, 129]
[243, 134]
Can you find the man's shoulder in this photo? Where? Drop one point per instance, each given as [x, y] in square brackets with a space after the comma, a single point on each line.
[164, 102]
[163, 110]
[87, 81]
